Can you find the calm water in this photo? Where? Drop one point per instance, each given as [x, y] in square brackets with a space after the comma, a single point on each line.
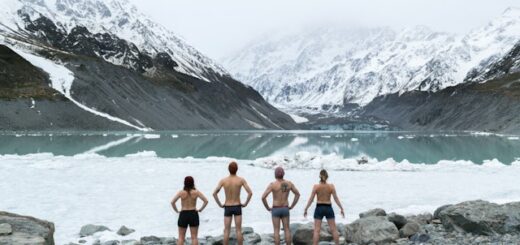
[413, 146]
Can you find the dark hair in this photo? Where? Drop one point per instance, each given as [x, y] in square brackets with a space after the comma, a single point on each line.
[189, 184]
[324, 175]
[233, 168]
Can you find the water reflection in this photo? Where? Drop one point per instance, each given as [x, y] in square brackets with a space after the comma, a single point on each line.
[417, 148]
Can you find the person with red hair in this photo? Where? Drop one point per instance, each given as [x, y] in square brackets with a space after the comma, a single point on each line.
[189, 214]
[233, 185]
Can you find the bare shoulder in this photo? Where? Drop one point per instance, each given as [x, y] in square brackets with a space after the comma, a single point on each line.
[181, 193]
[332, 187]
[290, 183]
[243, 180]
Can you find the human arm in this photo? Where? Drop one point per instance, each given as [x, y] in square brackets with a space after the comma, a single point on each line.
[311, 199]
[204, 199]
[249, 192]
[296, 196]
[264, 196]
[215, 194]
[174, 202]
[336, 199]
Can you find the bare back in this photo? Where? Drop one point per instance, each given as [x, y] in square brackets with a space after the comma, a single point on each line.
[324, 192]
[281, 190]
[232, 186]
[189, 199]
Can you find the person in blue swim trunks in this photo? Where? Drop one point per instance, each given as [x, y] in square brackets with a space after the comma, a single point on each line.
[323, 193]
[280, 189]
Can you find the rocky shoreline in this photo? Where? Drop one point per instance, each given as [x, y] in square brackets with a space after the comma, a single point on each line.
[471, 222]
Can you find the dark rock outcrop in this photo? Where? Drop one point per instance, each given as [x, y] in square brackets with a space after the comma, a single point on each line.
[26, 230]
[490, 103]
[482, 218]
[171, 100]
[398, 220]
[125, 231]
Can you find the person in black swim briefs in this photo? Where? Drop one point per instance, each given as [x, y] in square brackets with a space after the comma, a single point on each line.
[189, 214]
[280, 190]
[233, 206]
[230, 211]
[323, 193]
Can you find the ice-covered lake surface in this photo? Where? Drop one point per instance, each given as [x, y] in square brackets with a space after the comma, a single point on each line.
[128, 178]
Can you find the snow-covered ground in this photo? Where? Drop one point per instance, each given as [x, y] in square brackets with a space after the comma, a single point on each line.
[135, 190]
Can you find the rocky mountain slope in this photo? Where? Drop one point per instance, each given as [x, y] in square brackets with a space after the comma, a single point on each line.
[327, 69]
[95, 64]
[492, 104]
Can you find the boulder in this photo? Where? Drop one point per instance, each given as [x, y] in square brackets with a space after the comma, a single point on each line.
[303, 235]
[398, 220]
[482, 217]
[422, 219]
[245, 230]
[410, 229]
[294, 227]
[253, 238]
[439, 209]
[151, 240]
[168, 241]
[89, 230]
[250, 237]
[124, 231]
[5, 229]
[268, 239]
[373, 212]
[26, 230]
[371, 229]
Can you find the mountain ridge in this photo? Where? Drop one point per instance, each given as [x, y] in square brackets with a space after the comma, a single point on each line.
[396, 62]
[119, 83]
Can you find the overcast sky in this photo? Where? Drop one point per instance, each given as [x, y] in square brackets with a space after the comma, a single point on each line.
[220, 27]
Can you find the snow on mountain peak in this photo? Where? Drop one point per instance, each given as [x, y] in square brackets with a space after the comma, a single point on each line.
[331, 67]
[117, 17]
[512, 12]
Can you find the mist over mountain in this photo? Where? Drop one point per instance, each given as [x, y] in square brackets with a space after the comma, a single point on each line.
[323, 68]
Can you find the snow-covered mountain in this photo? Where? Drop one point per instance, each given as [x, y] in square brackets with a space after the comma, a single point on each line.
[327, 67]
[101, 65]
[116, 17]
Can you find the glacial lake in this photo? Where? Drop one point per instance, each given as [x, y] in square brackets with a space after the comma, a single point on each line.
[415, 147]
